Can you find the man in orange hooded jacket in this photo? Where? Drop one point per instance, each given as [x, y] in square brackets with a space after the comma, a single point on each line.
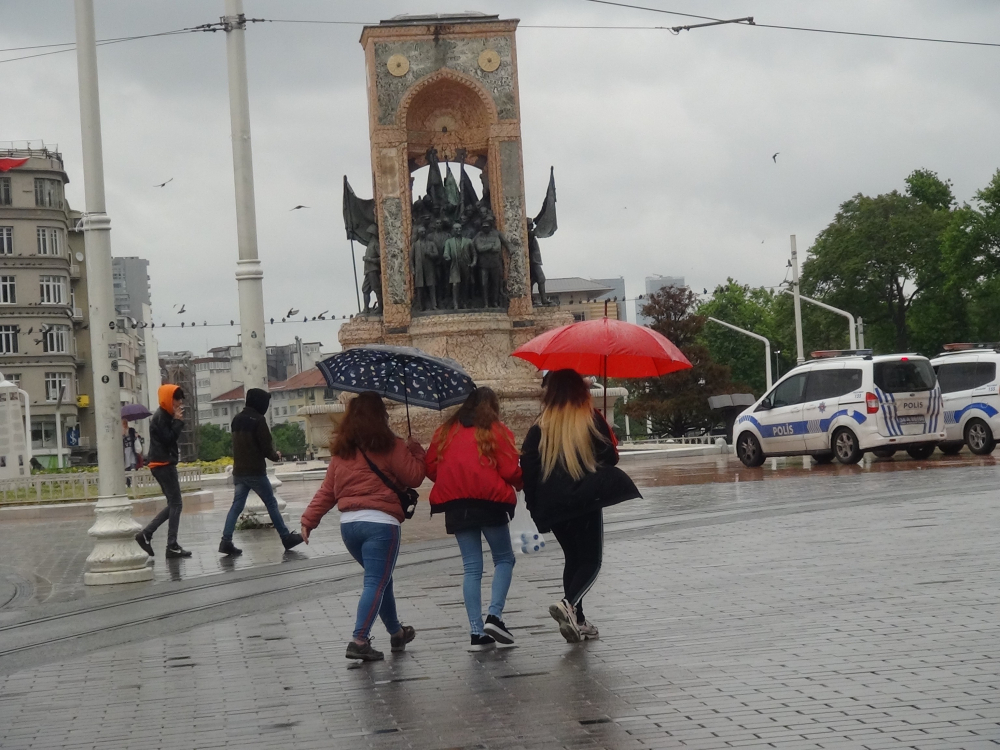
[164, 429]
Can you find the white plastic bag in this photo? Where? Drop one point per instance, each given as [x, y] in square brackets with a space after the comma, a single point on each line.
[524, 535]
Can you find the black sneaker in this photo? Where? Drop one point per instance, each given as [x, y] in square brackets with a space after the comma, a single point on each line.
[481, 643]
[363, 653]
[398, 642]
[143, 541]
[177, 551]
[294, 539]
[496, 628]
[228, 548]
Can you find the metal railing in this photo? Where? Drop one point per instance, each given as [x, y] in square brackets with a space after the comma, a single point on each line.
[64, 488]
[667, 440]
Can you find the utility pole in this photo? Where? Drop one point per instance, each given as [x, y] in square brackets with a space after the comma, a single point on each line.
[799, 356]
[852, 327]
[116, 558]
[249, 274]
[861, 333]
[767, 345]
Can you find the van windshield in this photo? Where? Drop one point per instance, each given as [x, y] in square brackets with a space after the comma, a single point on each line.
[904, 376]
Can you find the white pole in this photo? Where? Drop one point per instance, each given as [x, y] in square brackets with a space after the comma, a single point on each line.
[249, 274]
[800, 357]
[767, 345]
[27, 427]
[116, 557]
[838, 311]
[861, 333]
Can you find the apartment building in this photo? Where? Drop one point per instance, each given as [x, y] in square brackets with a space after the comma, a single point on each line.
[41, 321]
[178, 368]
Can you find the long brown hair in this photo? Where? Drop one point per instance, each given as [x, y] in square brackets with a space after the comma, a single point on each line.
[365, 426]
[567, 425]
[482, 411]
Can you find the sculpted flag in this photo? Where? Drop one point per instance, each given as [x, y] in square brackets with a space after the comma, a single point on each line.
[545, 222]
[359, 214]
[468, 192]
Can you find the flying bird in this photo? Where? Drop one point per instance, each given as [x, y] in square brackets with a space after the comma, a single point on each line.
[38, 341]
[775, 157]
[292, 311]
[164, 184]
[181, 310]
[297, 208]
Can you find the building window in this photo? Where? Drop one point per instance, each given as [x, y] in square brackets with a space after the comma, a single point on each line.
[43, 434]
[7, 295]
[54, 341]
[225, 411]
[8, 339]
[56, 383]
[48, 193]
[4, 191]
[48, 240]
[215, 412]
[15, 378]
[52, 290]
[6, 240]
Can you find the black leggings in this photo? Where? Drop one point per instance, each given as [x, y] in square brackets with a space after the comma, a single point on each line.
[582, 542]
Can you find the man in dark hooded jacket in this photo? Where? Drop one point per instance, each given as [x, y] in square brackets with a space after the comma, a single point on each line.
[251, 445]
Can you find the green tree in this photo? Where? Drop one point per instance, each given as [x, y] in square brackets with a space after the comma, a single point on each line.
[289, 439]
[678, 402]
[213, 443]
[881, 259]
[754, 309]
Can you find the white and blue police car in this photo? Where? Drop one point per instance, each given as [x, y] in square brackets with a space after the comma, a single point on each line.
[842, 404]
[967, 376]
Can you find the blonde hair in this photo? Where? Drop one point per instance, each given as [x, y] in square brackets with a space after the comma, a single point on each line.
[567, 426]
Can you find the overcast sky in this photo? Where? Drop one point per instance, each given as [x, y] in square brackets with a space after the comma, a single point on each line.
[661, 144]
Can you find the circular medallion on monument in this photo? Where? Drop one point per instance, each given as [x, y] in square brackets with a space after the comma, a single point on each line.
[489, 60]
[398, 65]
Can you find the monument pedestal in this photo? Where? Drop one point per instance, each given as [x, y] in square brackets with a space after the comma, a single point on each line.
[481, 342]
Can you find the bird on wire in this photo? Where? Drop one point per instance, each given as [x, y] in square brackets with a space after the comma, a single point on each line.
[297, 208]
[775, 157]
[320, 316]
[164, 184]
[292, 312]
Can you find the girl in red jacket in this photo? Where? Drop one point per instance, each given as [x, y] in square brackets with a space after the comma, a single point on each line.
[473, 463]
[370, 512]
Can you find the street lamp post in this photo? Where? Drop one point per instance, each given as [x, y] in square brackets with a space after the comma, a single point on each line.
[850, 318]
[116, 558]
[767, 345]
[800, 356]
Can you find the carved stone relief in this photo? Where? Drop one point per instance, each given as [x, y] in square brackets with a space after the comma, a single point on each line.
[395, 255]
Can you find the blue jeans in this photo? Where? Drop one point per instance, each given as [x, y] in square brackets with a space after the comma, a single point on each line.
[262, 486]
[376, 547]
[470, 543]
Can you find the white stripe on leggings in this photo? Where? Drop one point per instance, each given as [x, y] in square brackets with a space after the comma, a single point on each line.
[600, 562]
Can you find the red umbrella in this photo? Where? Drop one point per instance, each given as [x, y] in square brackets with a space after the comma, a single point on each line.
[604, 347]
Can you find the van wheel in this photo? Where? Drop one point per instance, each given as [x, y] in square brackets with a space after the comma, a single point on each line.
[749, 451]
[979, 437]
[883, 452]
[950, 449]
[920, 452]
[845, 446]
[823, 458]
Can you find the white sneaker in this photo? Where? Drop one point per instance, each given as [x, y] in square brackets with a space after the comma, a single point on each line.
[588, 632]
[565, 614]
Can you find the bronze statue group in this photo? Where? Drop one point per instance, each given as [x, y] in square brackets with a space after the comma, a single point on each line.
[456, 251]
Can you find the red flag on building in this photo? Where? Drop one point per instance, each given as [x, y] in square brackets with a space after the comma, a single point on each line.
[8, 163]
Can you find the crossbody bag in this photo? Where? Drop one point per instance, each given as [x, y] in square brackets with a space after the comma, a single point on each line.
[407, 496]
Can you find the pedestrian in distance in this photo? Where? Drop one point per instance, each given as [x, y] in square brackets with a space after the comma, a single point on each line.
[165, 428]
[473, 462]
[252, 444]
[132, 446]
[368, 466]
[569, 459]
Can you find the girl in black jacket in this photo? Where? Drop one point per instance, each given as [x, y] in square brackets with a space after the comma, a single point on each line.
[569, 462]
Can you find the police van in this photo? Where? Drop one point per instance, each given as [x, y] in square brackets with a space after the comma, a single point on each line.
[967, 376]
[842, 404]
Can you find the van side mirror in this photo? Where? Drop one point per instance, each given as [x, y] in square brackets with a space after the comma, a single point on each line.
[764, 406]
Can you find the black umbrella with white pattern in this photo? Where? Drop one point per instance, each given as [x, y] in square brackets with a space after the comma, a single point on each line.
[399, 373]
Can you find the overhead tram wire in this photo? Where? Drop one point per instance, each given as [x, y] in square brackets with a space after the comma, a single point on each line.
[71, 46]
[801, 28]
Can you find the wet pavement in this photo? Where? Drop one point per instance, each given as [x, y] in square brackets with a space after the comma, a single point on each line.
[852, 607]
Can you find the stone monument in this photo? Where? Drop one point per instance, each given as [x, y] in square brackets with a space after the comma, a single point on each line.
[455, 271]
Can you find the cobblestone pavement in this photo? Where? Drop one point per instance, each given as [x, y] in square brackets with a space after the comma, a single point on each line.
[856, 611]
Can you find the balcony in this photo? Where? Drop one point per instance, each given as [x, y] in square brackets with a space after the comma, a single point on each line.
[74, 270]
[77, 314]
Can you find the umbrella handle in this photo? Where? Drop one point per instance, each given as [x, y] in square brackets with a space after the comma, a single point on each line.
[406, 399]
